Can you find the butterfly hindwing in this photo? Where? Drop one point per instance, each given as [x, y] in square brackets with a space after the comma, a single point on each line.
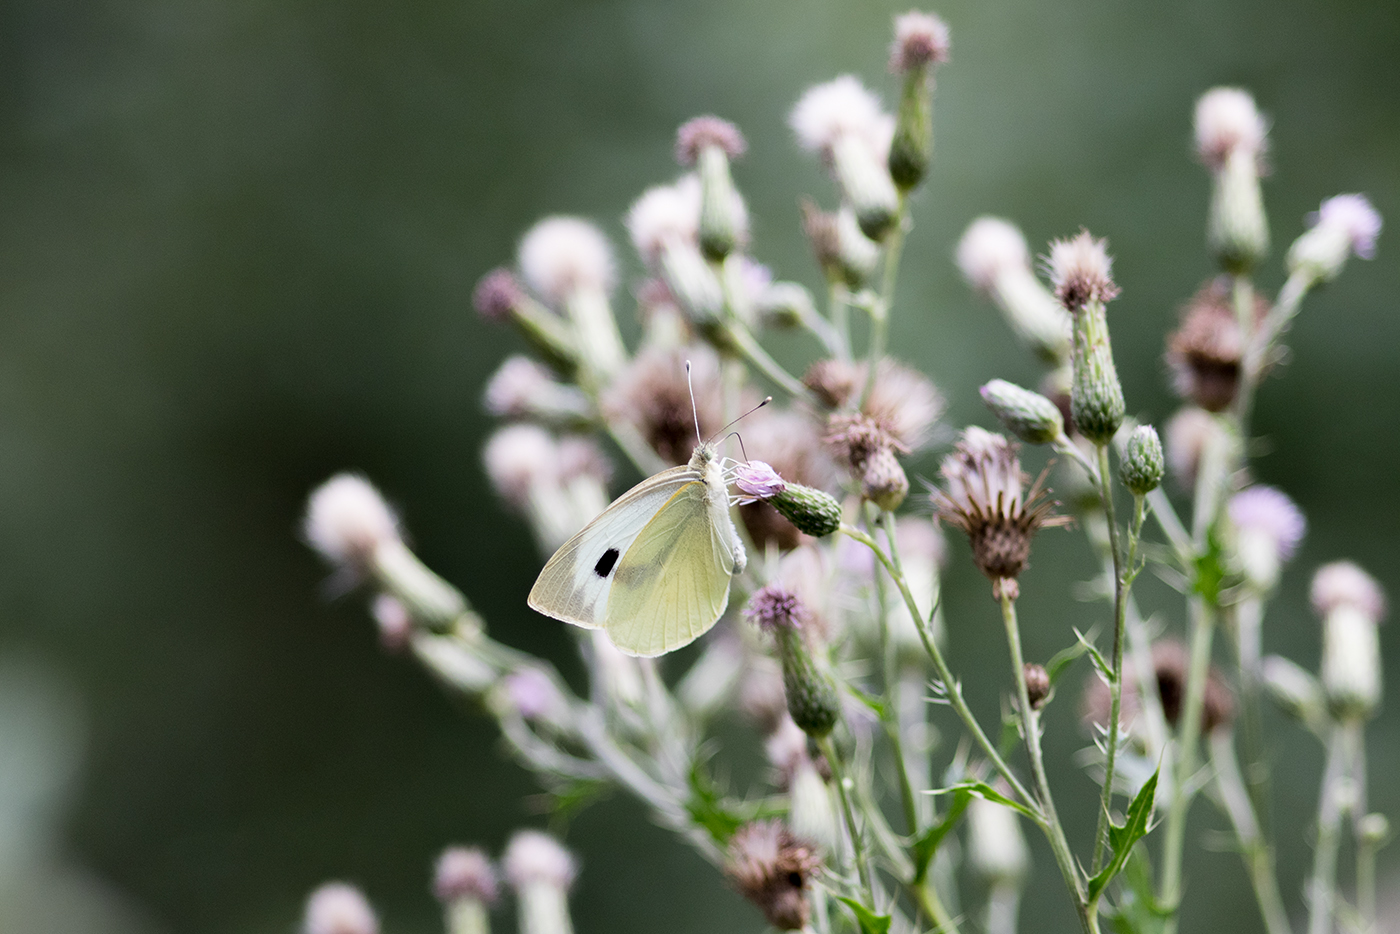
[672, 585]
[575, 583]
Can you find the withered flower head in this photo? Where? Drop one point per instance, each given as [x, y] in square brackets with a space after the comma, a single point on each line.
[903, 402]
[832, 381]
[694, 135]
[985, 496]
[770, 867]
[653, 395]
[1081, 271]
[1171, 663]
[1204, 352]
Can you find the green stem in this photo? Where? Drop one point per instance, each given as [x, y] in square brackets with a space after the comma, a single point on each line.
[880, 310]
[858, 855]
[1030, 725]
[1365, 844]
[1322, 887]
[1254, 849]
[748, 347]
[951, 685]
[838, 298]
[926, 897]
[1121, 583]
[890, 714]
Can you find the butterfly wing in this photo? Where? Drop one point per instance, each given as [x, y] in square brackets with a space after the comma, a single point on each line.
[575, 583]
[673, 583]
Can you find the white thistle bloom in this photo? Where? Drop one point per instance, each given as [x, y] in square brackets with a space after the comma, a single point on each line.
[995, 260]
[338, 908]
[1227, 121]
[562, 255]
[540, 871]
[844, 123]
[1351, 605]
[347, 520]
[1343, 225]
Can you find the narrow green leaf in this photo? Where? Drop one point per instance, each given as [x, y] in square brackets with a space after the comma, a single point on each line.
[987, 793]
[926, 846]
[1097, 657]
[1123, 837]
[1062, 660]
[869, 921]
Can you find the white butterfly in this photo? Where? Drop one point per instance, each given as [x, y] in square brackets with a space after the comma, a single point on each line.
[653, 570]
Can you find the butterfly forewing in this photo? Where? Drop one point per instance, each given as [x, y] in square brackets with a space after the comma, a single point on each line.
[575, 584]
[672, 585]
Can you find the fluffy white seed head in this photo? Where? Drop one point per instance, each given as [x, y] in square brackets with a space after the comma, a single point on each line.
[843, 107]
[338, 908]
[518, 458]
[1227, 121]
[919, 39]
[532, 857]
[515, 386]
[664, 214]
[1081, 271]
[464, 873]
[347, 520]
[562, 255]
[1344, 584]
[989, 246]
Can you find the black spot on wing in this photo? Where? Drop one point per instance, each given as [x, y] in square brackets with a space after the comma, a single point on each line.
[606, 563]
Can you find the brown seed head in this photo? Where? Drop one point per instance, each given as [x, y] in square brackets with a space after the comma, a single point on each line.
[1204, 352]
[1037, 684]
[770, 867]
[653, 395]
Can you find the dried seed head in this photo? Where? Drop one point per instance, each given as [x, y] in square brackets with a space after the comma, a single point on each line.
[1037, 684]
[919, 39]
[338, 908]
[984, 496]
[989, 247]
[832, 381]
[771, 867]
[465, 873]
[347, 520]
[1081, 271]
[497, 295]
[534, 857]
[695, 134]
[1204, 352]
[1227, 121]
[652, 394]
[562, 255]
[1171, 665]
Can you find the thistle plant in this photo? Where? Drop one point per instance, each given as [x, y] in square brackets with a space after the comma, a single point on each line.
[831, 650]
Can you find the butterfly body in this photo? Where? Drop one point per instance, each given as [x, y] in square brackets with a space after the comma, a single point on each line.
[654, 569]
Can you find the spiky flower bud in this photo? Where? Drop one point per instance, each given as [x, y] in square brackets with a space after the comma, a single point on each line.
[1268, 527]
[1082, 274]
[1037, 684]
[884, 481]
[771, 868]
[540, 871]
[997, 850]
[709, 144]
[843, 122]
[338, 908]
[1351, 605]
[465, 882]
[984, 496]
[810, 510]
[995, 261]
[812, 697]
[1344, 225]
[1231, 137]
[1143, 464]
[920, 44]
[1027, 415]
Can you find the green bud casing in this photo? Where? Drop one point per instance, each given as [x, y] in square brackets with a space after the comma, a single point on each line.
[811, 511]
[866, 184]
[1143, 464]
[812, 698]
[911, 150]
[1028, 415]
[1096, 396]
[720, 223]
[1239, 232]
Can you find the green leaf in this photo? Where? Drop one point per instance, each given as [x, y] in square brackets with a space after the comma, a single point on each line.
[566, 801]
[1210, 568]
[1122, 837]
[987, 793]
[869, 921]
[1062, 660]
[1097, 657]
[720, 815]
[926, 846]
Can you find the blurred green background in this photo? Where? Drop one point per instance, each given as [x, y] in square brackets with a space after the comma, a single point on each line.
[237, 247]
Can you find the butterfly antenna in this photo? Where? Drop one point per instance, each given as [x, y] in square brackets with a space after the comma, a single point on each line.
[735, 434]
[744, 416]
[694, 409]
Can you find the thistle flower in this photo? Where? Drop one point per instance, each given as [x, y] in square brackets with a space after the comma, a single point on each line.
[522, 462]
[700, 132]
[338, 908]
[812, 698]
[1204, 353]
[1189, 432]
[1344, 225]
[843, 122]
[540, 871]
[652, 394]
[771, 868]
[1142, 465]
[1171, 663]
[1268, 528]
[984, 496]
[709, 144]
[995, 261]
[464, 881]
[1081, 271]
[1231, 140]
[499, 297]
[523, 389]
[347, 521]
[904, 403]
[832, 381]
[920, 44]
[1352, 606]
[842, 250]
[569, 263]
[665, 227]
[394, 622]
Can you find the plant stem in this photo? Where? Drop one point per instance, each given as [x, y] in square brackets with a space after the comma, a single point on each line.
[748, 347]
[1365, 845]
[1121, 582]
[858, 855]
[1322, 887]
[880, 310]
[1030, 725]
[1258, 855]
[954, 690]
[890, 714]
[1188, 736]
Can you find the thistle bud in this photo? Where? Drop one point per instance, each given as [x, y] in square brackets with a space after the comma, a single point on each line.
[1143, 465]
[812, 698]
[464, 881]
[522, 389]
[1081, 270]
[1296, 692]
[810, 510]
[1027, 415]
[844, 253]
[1344, 225]
[884, 481]
[842, 121]
[540, 871]
[664, 224]
[1351, 605]
[920, 45]
[1230, 140]
[995, 261]
[709, 144]
[499, 297]
[1037, 684]
[784, 305]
